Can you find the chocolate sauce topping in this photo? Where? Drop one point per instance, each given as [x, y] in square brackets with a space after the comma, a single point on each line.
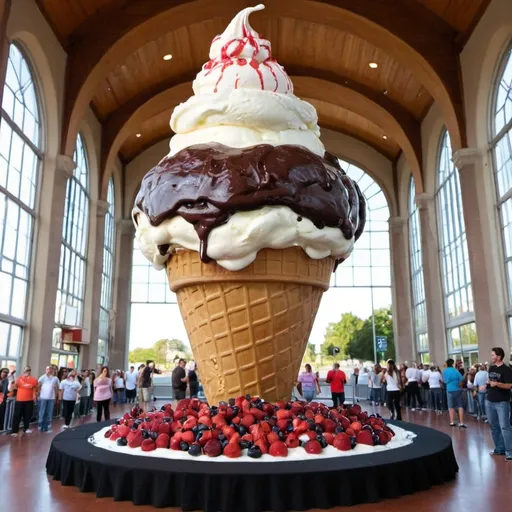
[208, 183]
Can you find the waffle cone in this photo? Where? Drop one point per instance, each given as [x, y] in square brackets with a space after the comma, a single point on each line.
[249, 329]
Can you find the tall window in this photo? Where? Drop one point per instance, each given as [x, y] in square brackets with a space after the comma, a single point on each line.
[20, 157]
[106, 276]
[417, 281]
[502, 154]
[456, 276]
[73, 256]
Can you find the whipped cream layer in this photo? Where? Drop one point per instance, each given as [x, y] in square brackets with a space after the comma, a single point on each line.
[235, 245]
[243, 118]
[402, 438]
[242, 88]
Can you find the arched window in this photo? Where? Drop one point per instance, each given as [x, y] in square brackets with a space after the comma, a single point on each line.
[417, 281]
[20, 158]
[502, 156]
[106, 276]
[456, 276]
[73, 257]
[361, 285]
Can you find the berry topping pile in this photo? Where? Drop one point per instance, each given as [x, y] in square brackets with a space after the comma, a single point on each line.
[251, 426]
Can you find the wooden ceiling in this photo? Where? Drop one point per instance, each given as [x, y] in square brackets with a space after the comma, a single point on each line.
[329, 41]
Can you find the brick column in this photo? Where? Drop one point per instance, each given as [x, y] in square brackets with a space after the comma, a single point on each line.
[432, 276]
[119, 345]
[401, 286]
[484, 248]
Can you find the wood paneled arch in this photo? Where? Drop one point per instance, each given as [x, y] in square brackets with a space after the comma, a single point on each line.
[409, 32]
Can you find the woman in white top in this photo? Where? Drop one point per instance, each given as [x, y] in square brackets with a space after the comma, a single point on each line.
[374, 383]
[119, 388]
[436, 394]
[391, 376]
[413, 390]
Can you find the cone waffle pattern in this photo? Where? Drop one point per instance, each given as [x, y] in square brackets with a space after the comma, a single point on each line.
[249, 329]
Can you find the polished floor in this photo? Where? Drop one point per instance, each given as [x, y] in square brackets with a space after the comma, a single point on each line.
[483, 482]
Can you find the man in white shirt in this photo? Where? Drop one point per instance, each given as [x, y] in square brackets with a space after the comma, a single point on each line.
[131, 385]
[480, 382]
[48, 389]
[413, 389]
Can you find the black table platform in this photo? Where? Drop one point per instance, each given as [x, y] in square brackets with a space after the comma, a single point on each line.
[252, 487]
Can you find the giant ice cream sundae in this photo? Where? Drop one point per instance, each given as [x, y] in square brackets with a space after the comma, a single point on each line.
[250, 216]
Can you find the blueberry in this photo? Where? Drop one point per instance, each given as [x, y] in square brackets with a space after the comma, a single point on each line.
[339, 430]
[244, 445]
[254, 452]
[319, 429]
[375, 438]
[236, 410]
[162, 408]
[282, 435]
[183, 446]
[301, 417]
[322, 441]
[290, 428]
[311, 423]
[353, 442]
[288, 406]
[134, 428]
[118, 422]
[242, 430]
[275, 429]
[222, 437]
[248, 397]
[145, 434]
[202, 427]
[367, 427]
[182, 420]
[122, 441]
[224, 443]
[199, 435]
[195, 429]
[153, 435]
[231, 402]
[194, 450]
[167, 419]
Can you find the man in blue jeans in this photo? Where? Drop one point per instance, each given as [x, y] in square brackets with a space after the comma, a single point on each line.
[453, 380]
[48, 389]
[497, 404]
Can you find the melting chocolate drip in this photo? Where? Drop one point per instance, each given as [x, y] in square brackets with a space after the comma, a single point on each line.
[207, 183]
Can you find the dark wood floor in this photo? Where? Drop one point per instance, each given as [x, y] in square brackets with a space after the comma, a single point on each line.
[483, 483]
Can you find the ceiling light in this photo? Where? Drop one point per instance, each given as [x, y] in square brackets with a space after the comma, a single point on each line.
[138, 135]
[385, 137]
[167, 57]
[373, 65]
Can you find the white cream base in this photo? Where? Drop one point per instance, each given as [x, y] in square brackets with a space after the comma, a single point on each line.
[402, 438]
[235, 245]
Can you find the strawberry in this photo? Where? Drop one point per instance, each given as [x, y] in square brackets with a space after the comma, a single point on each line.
[192, 414]
[148, 445]
[239, 401]
[313, 447]
[350, 432]
[115, 436]
[362, 417]
[162, 441]
[364, 437]
[342, 442]
[236, 420]
[257, 432]
[219, 420]
[179, 414]
[136, 440]
[232, 450]
[268, 409]
[283, 425]
[282, 414]
[113, 428]
[352, 419]
[146, 425]
[311, 434]
[329, 437]
[354, 410]
[183, 404]
[272, 437]
[205, 420]
[228, 431]
[190, 423]
[248, 420]
[356, 426]
[281, 404]
[235, 438]
[212, 448]
[345, 423]
[178, 435]
[319, 419]
[247, 437]
[292, 441]
[309, 414]
[262, 444]
[165, 428]
[257, 413]
[278, 449]
[384, 437]
[188, 436]
[329, 425]
[266, 427]
[108, 433]
[175, 443]
[296, 422]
